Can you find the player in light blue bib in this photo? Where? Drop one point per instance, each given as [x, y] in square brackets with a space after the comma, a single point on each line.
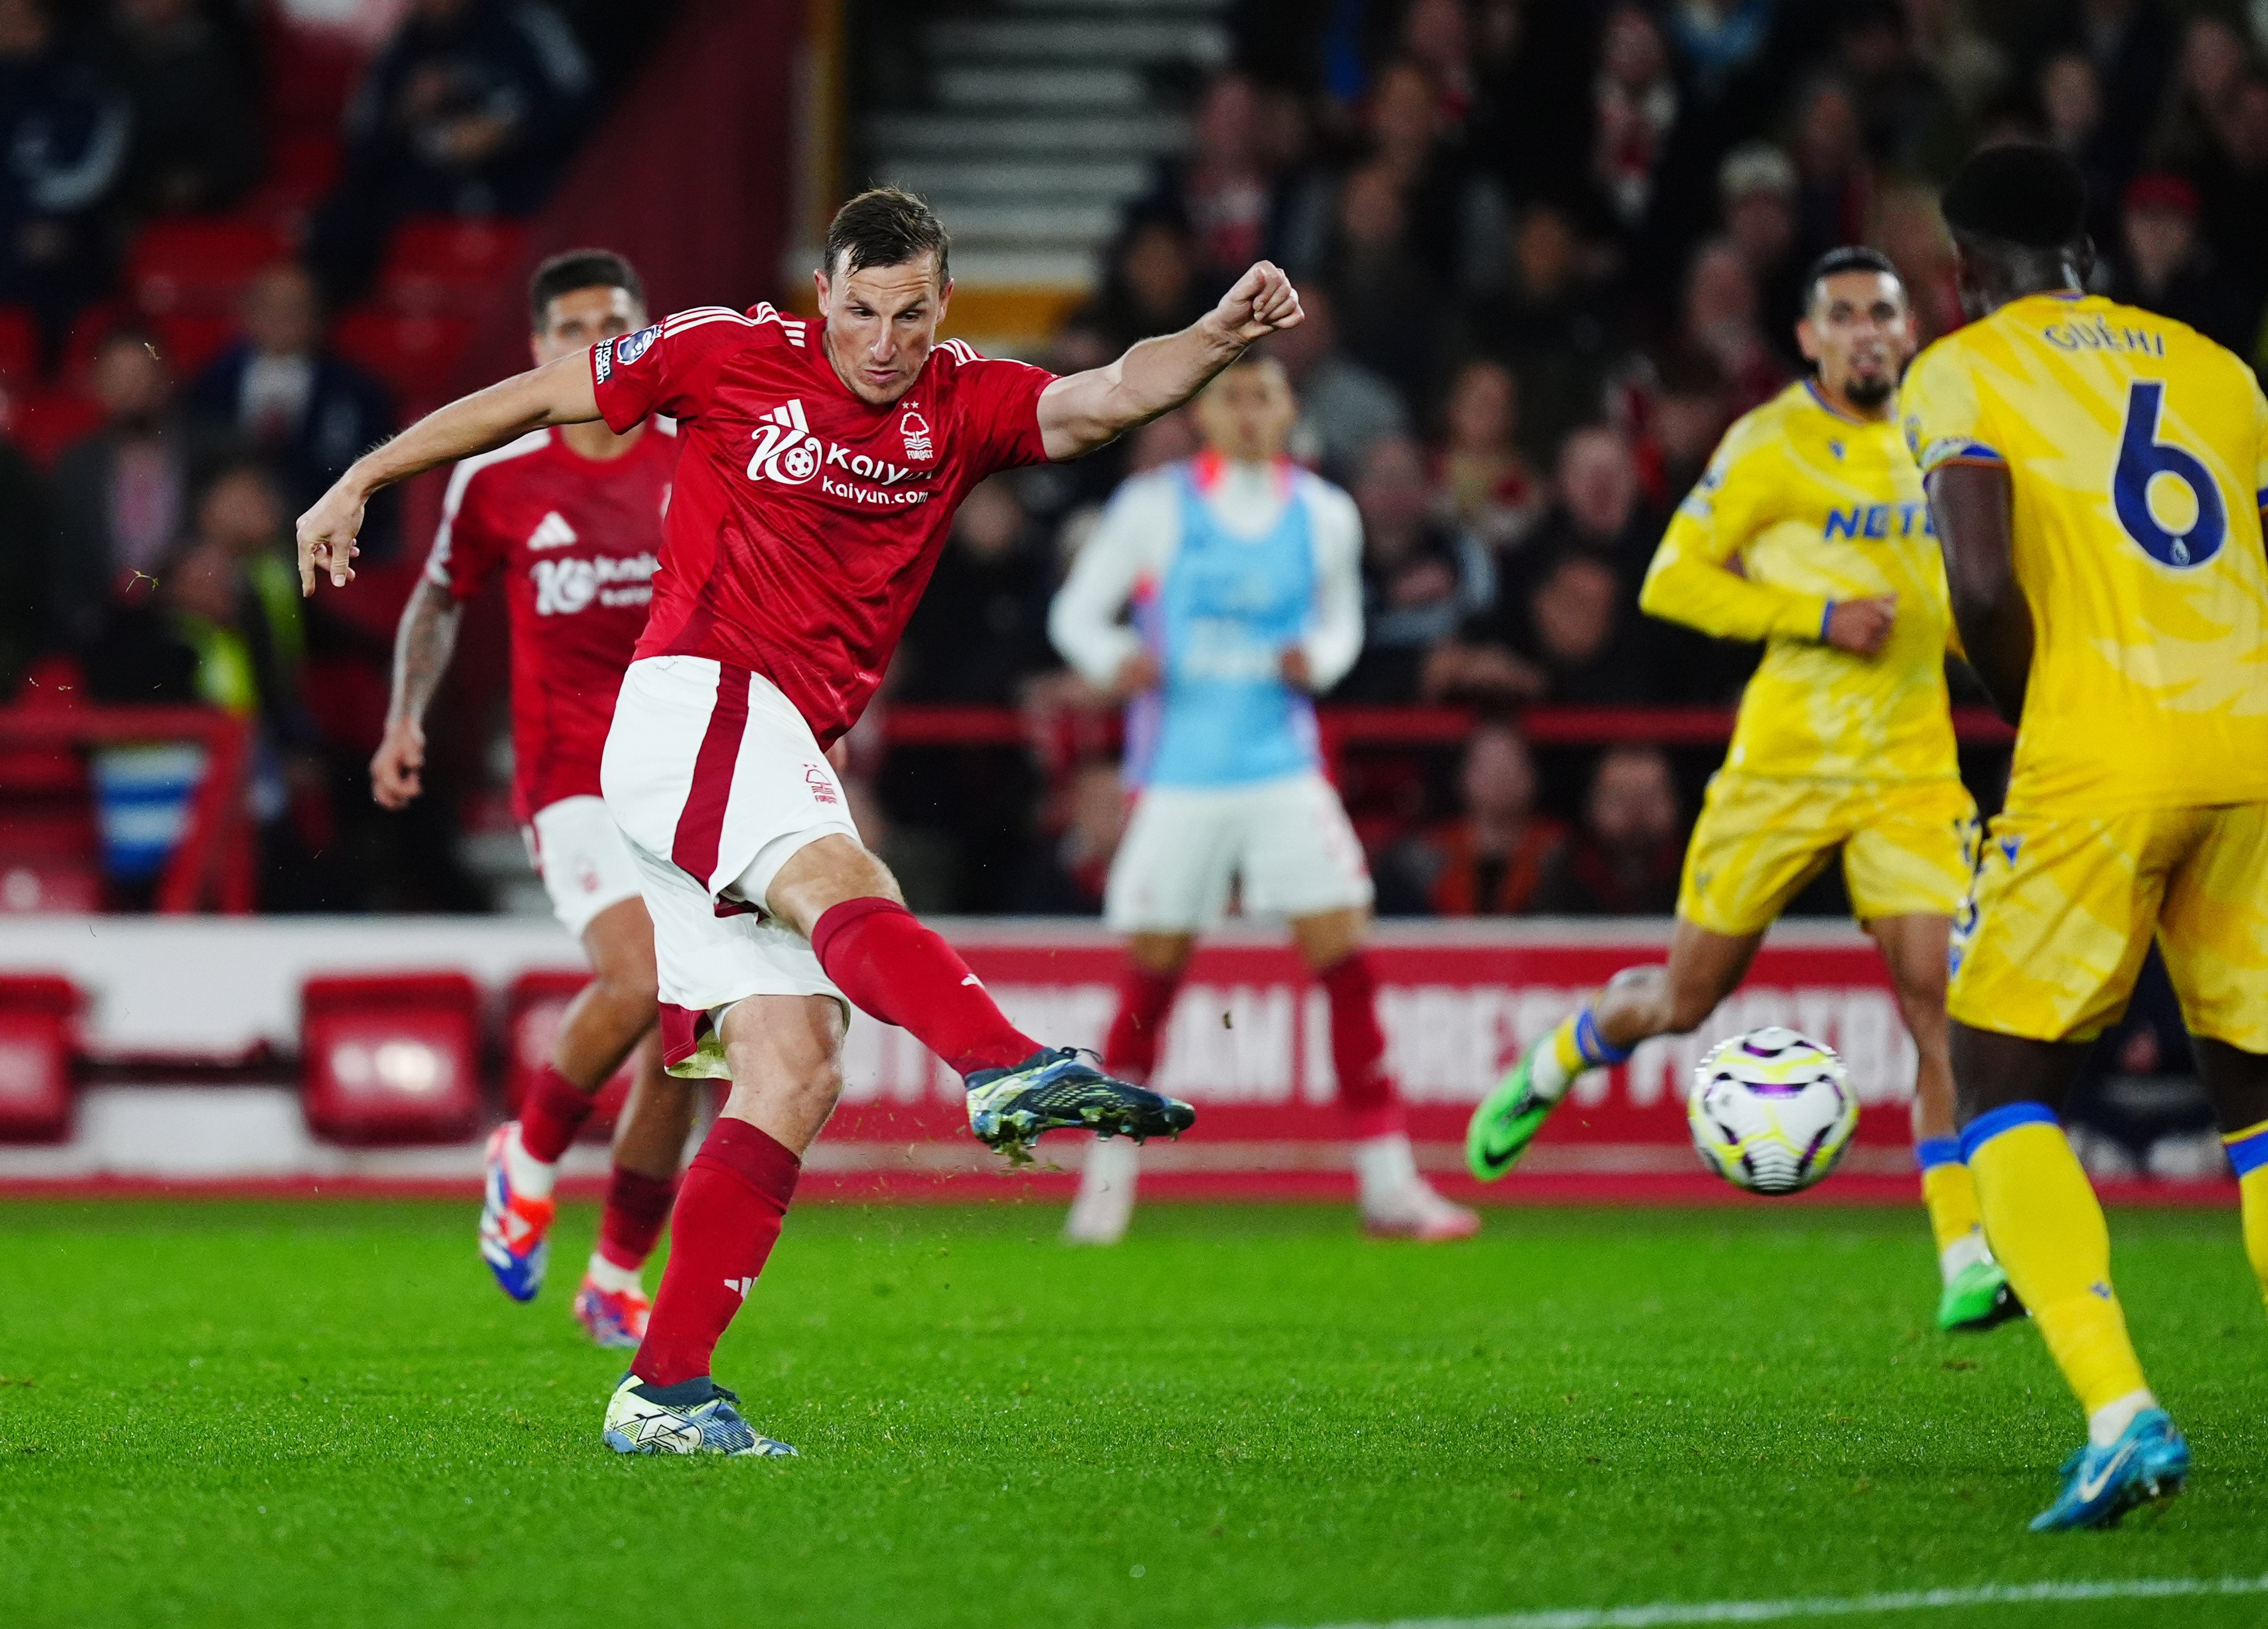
[1238, 576]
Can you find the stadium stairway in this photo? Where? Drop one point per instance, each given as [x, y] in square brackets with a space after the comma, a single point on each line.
[1039, 121]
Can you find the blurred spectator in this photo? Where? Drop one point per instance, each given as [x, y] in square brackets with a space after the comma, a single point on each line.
[1489, 860]
[1599, 508]
[1549, 322]
[469, 109]
[222, 626]
[1910, 122]
[2070, 106]
[1634, 104]
[1224, 190]
[981, 628]
[186, 78]
[1420, 579]
[1945, 37]
[1481, 484]
[1757, 186]
[2164, 267]
[1717, 40]
[277, 389]
[1719, 316]
[1149, 285]
[26, 544]
[1625, 858]
[1064, 877]
[1344, 409]
[1456, 216]
[1383, 292]
[1564, 632]
[1688, 412]
[2209, 71]
[2233, 190]
[1908, 228]
[1836, 179]
[2131, 46]
[64, 132]
[121, 495]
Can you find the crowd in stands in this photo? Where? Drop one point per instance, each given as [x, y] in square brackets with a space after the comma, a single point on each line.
[1549, 250]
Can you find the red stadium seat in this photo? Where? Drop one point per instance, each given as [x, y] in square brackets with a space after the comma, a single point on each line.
[38, 1016]
[19, 345]
[199, 264]
[414, 355]
[444, 266]
[391, 1057]
[45, 424]
[533, 1009]
[190, 340]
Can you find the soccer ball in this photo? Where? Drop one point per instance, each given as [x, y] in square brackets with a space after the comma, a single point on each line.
[1771, 1111]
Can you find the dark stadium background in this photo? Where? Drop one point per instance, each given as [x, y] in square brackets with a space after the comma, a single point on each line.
[1551, 248]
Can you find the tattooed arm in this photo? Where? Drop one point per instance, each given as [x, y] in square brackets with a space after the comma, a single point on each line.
[422, 647]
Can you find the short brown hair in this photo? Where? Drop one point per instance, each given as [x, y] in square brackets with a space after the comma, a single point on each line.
[884, 227]
[580, 269]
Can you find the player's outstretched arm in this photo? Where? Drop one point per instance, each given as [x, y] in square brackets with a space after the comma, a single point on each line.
[422, 646]
[1083, 411]
[557, 393]
[1969, 506]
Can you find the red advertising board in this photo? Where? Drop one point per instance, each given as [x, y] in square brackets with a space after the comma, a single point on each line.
[1248, 1044]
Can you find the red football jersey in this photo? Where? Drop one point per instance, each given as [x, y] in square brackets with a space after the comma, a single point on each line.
[580, 540]
[806, 523]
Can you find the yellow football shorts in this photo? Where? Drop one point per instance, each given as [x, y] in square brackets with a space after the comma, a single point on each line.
[1907, 848]
[2062, 910]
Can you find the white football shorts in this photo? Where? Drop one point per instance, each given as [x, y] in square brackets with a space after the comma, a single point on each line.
[1288, 841]
[578, 851]
[716, 781]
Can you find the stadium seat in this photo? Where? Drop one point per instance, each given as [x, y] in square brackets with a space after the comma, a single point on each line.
[44, 422]
[191, 339]
[413, 355]
[49, 849]
[199, 264]
[38, 1016]
[532, 1008]
[443, 265]
[391, 1059]
[19, 345]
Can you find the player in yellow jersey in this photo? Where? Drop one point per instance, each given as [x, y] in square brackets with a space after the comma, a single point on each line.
[1810, 532]
[2096, 472]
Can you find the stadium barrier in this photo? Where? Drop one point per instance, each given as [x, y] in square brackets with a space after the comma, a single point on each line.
[202, 1064]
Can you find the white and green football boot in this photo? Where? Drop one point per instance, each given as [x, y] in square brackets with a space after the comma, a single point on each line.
[1506, 1120]
[1978, 1298]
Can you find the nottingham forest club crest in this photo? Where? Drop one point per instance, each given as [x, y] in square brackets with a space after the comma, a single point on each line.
[915, 428]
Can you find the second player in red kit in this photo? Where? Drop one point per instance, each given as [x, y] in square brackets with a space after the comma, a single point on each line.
[822, 465]
[571, 517]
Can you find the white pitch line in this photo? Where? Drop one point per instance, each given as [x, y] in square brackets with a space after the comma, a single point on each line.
[1670, 1614]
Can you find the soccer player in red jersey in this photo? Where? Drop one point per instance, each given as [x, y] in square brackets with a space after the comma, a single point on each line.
[572, 515]
[823, 463]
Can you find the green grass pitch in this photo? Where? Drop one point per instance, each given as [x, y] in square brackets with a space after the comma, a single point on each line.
[324, 1414]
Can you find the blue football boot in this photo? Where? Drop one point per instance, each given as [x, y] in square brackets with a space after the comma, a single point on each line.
[1057, 1090]
[691, 1417]
[514, 1227]
[2149, 1461]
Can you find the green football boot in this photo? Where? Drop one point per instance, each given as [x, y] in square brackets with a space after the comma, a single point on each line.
[1978, 1298]
[1506, 1121]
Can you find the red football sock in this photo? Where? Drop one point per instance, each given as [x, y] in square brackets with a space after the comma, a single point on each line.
[636, 1207]
[891, 966]
[1367, 1092]
[551, 1113]
[1145, 1001]
[729, 1212]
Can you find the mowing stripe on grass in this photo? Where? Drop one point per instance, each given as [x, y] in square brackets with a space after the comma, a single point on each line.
[1670, 1614]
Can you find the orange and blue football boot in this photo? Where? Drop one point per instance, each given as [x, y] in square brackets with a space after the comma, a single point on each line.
[513, 1225]
[613, 1318]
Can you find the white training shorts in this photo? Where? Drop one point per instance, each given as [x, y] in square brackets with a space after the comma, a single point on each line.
[1287, 841]
[578, 851]
[716, 782]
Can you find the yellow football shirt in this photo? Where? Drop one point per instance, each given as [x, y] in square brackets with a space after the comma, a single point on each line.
[1814, 506]
[2137, 450]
